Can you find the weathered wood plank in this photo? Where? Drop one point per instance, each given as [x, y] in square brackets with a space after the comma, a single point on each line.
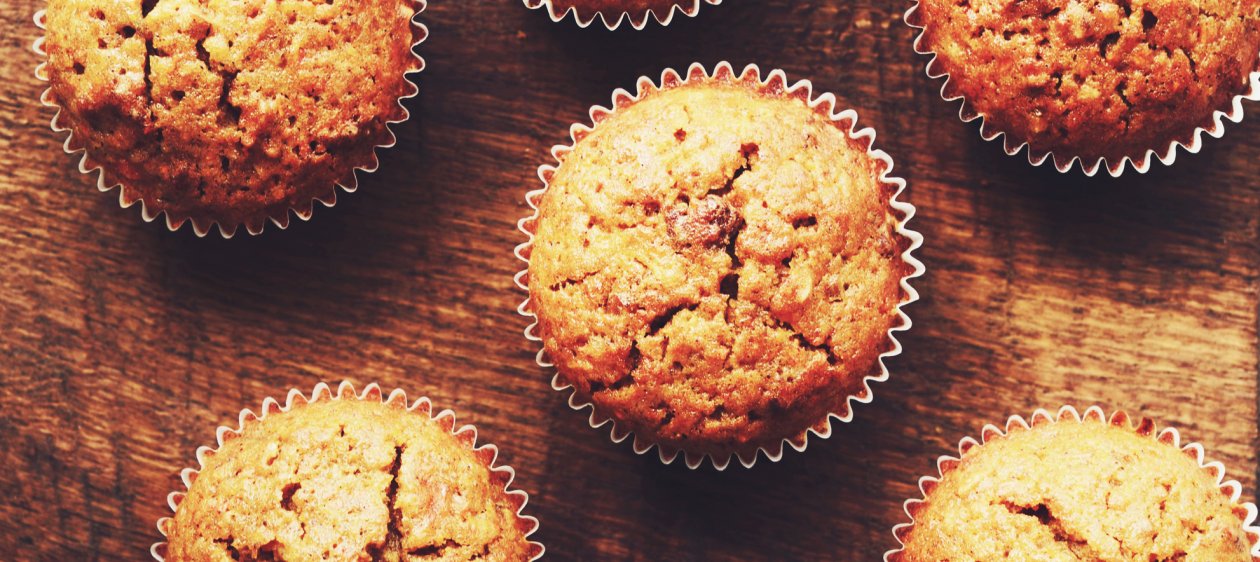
[123, 346]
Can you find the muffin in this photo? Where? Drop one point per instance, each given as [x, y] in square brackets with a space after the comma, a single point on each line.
[717, 265]
[1078, 490]
[614, 11]
[346, 478]
[230, 114]
[1099, 81]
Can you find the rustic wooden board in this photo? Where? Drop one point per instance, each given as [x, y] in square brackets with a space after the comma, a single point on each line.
[122, 346]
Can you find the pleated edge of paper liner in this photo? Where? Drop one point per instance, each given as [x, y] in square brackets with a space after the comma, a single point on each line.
[1069, 414]
[824, 104]
[466, 434]
[1065, 164]
[638, 21]
[201, 228]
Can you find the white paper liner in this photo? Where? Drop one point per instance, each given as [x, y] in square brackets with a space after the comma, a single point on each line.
[612, 21]
[824, 104]
[1065, 163]
[466, 434]
[201, 228]
[1146, 427]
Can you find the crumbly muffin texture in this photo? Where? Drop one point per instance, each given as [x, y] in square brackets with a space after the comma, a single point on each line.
[717, 268]
[1072, 491]
[1094, 78]
[345, 480]
[230, 110]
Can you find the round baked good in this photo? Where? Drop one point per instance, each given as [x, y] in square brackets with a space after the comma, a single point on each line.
[614, 11]
[230, 113]
[1096, 80]
[717, 266]
[347, 479]
[1077, 490]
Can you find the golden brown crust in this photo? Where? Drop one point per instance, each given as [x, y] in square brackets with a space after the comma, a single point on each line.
[1071, 491]
[345, 480]
[230, 111]
[1094, 78]
[717, 269]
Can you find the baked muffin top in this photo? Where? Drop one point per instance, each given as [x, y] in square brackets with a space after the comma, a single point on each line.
[1094, 78]
[1077, 491]
[230, 111]
[345, 480]
[717, 267]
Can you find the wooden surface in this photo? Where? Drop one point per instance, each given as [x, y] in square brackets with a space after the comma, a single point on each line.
[123, 346]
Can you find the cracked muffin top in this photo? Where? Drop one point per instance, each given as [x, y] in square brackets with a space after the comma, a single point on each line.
[716, 267]
[345, 480]
[230, 111]
[1068, 491]
[1094, 78]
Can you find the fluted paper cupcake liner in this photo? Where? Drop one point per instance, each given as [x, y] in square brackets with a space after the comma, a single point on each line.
[1064, 163]
[773, 82]
[126, 197]
[1068, 414]
[467, 435]
[613, 20]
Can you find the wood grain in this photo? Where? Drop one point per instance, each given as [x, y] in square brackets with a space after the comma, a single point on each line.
[123, 346]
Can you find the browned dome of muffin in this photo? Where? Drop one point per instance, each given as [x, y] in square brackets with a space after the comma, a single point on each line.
[717, 268]
[1069, 491]
[1094, 78]
[345, 480]
[230, 111]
